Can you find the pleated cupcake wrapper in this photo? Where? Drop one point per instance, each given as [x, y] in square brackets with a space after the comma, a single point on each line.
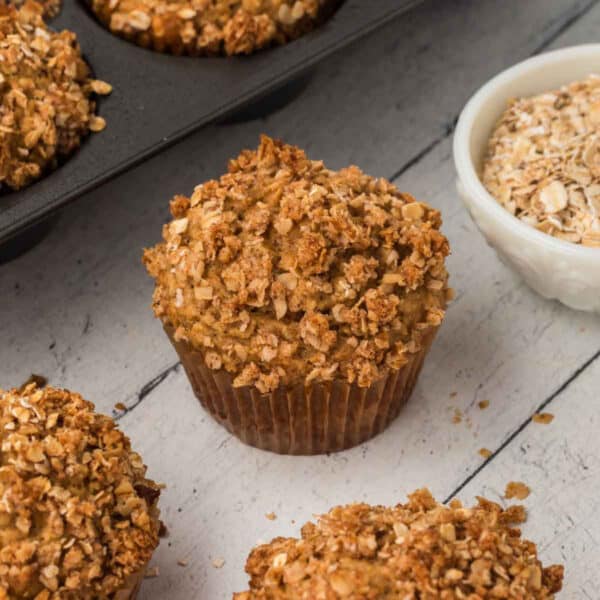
[302, 420]
[132, 586]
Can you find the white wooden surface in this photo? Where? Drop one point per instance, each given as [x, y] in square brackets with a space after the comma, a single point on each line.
[76, 309]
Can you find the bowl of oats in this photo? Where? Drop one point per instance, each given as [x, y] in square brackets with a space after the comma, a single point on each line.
[527, 154]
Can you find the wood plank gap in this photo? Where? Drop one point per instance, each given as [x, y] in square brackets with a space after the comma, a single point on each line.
[525, 423]
[425, 151]
[452, 125]
[570, 21]
[148, 388]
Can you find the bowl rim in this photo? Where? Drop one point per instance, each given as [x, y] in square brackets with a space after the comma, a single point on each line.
[467, 172]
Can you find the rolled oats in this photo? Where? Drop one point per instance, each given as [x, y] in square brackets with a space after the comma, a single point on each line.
[78, 518]
[421, 549]
[46, 96]
[317, 300]
[210, 27]
[543, 161]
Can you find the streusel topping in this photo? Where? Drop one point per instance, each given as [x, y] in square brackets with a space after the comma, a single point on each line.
[211, 27]
[543, 161]
[419, 550]
[77, 515]
[46, 95]
[284, 271]
[50, 7]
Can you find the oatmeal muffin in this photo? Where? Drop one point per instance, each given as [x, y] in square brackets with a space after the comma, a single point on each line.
[211, 27]
[50, 7]
[46, 96]
[302, 301]
[78, 518]
[419, 550]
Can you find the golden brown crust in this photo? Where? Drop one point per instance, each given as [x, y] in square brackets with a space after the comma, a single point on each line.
[420, 550]
[46, 95]
[78, 518]
[284, 271]
[211, 27]
[50, 7]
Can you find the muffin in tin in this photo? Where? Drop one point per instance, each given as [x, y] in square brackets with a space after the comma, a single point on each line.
[50, 8]
[47, 103]
[78, 517]
[211, 27]
[302, 301]
[421, 549]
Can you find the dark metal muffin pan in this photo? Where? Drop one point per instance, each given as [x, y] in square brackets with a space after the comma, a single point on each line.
[158, 98]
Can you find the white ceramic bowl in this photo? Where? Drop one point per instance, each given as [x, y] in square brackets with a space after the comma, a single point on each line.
[552, 267]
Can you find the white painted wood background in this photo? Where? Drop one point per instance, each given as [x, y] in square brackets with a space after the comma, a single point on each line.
[77, 310]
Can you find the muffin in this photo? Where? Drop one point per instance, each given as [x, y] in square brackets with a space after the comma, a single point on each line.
[50, 7]
[78, 518]
[46, 96]
[301, 301]
[421, 549]
[211, 27]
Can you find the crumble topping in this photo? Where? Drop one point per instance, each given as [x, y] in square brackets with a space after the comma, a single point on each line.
[50, 7]
[421, 549]
[211, 27]
[543, 418]
[46, 95]
[516, 489]
[77, 515]
[543, 161]
[284, 271]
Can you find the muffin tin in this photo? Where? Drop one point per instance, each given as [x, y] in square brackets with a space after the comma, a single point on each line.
[159, 98]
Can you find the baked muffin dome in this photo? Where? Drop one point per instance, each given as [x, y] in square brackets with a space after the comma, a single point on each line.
[419, 550]
[211, 27]
[50, 7]
[78, 518]
[284, 271]
[46, 96]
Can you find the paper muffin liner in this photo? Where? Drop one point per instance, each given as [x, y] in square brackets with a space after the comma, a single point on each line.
[132, 586]
[303, 420]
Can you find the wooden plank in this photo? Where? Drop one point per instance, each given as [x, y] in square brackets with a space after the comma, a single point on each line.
[82, 297]
[560, 462]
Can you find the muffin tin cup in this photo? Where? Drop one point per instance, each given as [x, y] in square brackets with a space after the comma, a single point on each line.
[302, 420]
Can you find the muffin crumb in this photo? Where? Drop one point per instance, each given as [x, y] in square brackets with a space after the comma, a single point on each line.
[485, 452]
[543, 418]
[516, 489]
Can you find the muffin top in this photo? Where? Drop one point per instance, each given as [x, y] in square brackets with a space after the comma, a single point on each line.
[419, 550]
[211, 27]
[77, 515]
[283, 271]
[50, 7]
[46, 103]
